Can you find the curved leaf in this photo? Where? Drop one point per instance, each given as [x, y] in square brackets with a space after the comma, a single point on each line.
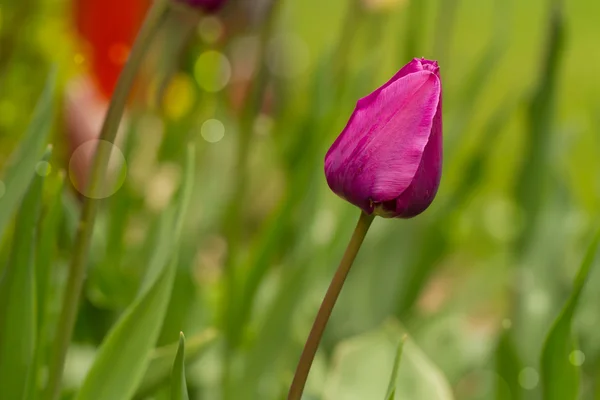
[178, 384]
[125, 353]
[17, 298]
[560, 378]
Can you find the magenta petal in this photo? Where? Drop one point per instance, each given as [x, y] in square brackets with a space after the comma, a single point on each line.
[388, 157]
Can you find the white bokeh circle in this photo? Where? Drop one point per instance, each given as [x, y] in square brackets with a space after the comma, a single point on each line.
[212, 71]
[80, 165]
[212, 130]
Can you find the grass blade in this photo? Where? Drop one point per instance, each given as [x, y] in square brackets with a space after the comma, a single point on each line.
[178, 383]
[125, 353]
[160, 365]
[391, 391]
[21, 164]
[508, 366]
[17, 298]
[560, 378]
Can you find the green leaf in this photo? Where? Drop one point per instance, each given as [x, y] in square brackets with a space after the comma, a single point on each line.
[17, 298]
[125, 353]
[356, 372]
[21, 165]
[45, 255]
[162, 358]
[178, 384]
[391, 391]
[531, 182]
[561, 378]
[508, 366]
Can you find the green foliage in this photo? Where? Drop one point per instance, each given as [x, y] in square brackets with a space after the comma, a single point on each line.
[391, 391]
[560, 369]
[476, 281]
[178, 384]
[125, 353]
[18, 313]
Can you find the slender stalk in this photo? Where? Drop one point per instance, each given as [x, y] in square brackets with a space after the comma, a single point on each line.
[90, 203]
[335, 287]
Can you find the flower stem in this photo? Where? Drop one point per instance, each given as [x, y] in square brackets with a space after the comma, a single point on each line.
[90, 203]
[335, 287]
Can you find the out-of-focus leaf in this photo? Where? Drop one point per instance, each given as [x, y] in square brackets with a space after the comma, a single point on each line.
[531, 179]
[508, 366]
[391, 391]
[45, 256]
[435, 238]
[17, 299]
[125, 353]
[560, 378]
[21, 165]
[360, 363]
[178, 383]
[162, 358]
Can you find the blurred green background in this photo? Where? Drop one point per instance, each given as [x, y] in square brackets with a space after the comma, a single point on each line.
[475, 282]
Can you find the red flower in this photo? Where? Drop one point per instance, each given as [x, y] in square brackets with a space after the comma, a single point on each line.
[108, 28]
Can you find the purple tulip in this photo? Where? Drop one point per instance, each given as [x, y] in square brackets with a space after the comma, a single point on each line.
[206, 5]
[388, 158]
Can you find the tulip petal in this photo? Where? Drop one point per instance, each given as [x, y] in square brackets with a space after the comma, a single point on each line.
[376, 157]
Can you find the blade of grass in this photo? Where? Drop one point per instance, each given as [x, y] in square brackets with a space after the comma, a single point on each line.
[531, 181]
[560, 378]
[391, 390]
[508, 366]
[178, 383]
[21, 164]
[17, 298]
[125, 353]
[161, 361]
[45, 256]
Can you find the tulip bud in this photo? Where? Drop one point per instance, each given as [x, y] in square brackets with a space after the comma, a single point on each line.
[206, 5]
[388, 158]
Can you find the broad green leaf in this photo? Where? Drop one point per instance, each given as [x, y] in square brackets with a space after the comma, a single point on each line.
[391, 391]
[21, 165]
[161, 361]
[125, 353]
[560, 377]
[178, 383]
[17, 298]
[360, 362]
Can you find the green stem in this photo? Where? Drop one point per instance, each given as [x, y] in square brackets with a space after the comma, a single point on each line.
[90, 203]
[335, 287]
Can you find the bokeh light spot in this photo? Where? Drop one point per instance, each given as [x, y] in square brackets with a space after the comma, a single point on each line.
[210, 29]
[79, 59]
[179, 96]
[528, 378]
[506, 323]
[577, 358]
[288, 56]
[212, 71]
[43, 168]
[80, 164]
[212, 130]
[118, 53]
